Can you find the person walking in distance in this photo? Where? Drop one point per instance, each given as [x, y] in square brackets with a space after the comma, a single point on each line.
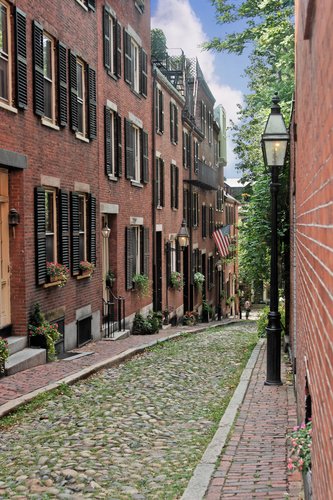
[247, 309]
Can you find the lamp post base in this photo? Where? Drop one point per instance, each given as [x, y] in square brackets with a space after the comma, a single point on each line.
[273, 330]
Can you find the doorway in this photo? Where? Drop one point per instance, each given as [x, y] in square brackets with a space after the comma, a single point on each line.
[5, 315]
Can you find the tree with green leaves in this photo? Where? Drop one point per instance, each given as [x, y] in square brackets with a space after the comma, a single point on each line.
[269, 36]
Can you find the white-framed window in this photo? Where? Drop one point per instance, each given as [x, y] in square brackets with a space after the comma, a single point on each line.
[111, 48]
[159, 111]
[173, 256]
[173, 123]
[49, 79]
[51, 224]
[159, 179]
[140, 5]
[5, 53]
[135, 52]
[81, 97]
[82, 198]
[137, 153]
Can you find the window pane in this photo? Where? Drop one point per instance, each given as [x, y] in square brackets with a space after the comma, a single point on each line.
[3, 79]
[81, 247]
[49, 212]
[79, 81]
[48, 98]
[80, 116]
[3, 30]
[81, 213]
[47, 48]
[50, 248]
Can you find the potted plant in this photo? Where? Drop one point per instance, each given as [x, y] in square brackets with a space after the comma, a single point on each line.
[176, 280]
[57, 273]
[4, 353]
[198, 280]
[110, 278]
[86, 268]
[190, 318]
[42, 333]
[141, 284]
[207, 311]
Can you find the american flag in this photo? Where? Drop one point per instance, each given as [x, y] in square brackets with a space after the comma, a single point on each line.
[222, 240]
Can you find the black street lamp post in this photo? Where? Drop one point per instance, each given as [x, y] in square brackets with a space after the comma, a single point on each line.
[274, 145]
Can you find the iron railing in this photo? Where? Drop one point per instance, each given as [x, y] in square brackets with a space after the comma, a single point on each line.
[113, 314]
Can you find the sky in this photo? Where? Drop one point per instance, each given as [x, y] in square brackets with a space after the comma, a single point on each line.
[189, 23]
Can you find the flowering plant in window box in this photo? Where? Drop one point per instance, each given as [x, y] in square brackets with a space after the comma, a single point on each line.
[176, 280]
[198, 280]
[141, 284]
[57, 273]
[301, 443]
[86, 267]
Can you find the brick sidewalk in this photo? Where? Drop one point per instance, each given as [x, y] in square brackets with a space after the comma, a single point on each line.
[253, 464]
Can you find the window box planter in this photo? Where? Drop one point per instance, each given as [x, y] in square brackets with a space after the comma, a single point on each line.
[38, 341]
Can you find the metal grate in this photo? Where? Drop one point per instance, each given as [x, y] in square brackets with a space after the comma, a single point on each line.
[84, 331]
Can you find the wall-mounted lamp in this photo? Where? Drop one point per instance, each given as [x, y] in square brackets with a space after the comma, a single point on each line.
[183, 236]
[219, 266]
[106, 231]
[13, 217]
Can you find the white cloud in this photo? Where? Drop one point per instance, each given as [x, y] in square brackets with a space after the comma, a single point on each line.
[183, 29]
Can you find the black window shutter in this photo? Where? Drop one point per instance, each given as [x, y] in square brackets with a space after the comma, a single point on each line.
[38, 69]
[189, 149]
[21, 59]
[199, 260]
[176, 187]
[108, 141]
[117, 125]
[92, 4]
[156, 192]
[168, 262]
[92, 229]
[178, 257]
[64, 227]
[184, 149]
[127, 58]
[172, 123]
[73, 91]
[40, 228]
[204, 221]
[106, 38]
[144, 149]
[189, 211]
[172, 186]
[176, 125]
[144, 73]
[162, 181]
[161, 109]
[117, 44]
[62, 84]
[129, 148]
[130, 256]
[145, 252]
[75, 234]
[92, 103]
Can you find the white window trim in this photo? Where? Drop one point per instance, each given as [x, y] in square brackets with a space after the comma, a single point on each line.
[55, 222]
[8, 103]
[51, 119]
[84, 131]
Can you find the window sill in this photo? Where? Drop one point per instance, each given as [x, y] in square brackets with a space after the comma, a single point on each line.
[136, 93]
[112, 75]
[8, 107]
[137, 184]
[49, 124]
[159, 207]
[83, 277]
[112, 178]
[159, 132]
[81, 137]
[84, 7]
[49, 285]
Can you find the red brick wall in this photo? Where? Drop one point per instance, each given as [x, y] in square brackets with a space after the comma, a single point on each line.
[313, 330]
[71, 161]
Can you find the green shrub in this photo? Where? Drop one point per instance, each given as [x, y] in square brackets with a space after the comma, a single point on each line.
[262, 322]
[147, 326]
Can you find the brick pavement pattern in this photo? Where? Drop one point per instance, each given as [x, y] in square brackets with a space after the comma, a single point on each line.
[253, 464]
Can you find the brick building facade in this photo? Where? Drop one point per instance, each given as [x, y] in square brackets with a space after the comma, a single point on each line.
[311, 197]
[92, 139]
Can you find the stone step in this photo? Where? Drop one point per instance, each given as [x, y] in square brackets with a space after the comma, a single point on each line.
[16, 343]
[122, 334]
[22, 360]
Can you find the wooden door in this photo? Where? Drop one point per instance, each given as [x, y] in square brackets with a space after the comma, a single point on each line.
[5, 318]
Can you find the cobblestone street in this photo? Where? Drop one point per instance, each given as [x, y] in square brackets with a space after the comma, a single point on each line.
[132, 432]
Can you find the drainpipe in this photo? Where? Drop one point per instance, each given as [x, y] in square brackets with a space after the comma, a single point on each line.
[154, 194]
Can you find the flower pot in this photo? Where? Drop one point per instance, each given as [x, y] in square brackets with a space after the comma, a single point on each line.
[307, 481]
[38, 341]
[86, 272]
[53, 279]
